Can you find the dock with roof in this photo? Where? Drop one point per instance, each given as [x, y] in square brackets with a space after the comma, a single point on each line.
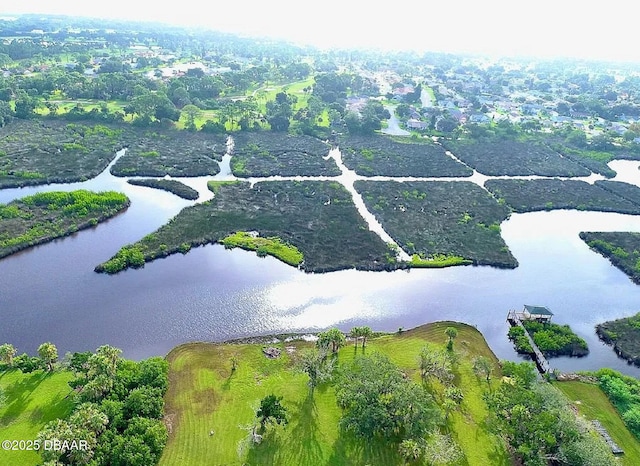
[539, 314]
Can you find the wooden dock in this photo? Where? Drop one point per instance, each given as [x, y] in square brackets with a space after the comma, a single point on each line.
[514, 319]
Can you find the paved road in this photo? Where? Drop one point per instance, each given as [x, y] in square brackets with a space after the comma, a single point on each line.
[394, 125]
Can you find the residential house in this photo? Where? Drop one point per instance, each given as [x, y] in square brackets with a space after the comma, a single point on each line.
[417, 124]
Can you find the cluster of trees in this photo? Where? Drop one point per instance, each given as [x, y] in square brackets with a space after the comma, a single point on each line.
[145, 97]
[369, 120]
[379, 401]
[539, 424]
[554, 340]
[624, 393]
[118, 413]
[333, 87]
[519, 338]
[46, 359]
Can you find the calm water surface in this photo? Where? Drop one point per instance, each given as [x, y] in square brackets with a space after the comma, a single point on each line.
[51, 293]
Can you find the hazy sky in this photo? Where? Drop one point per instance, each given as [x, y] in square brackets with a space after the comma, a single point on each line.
[539, 28]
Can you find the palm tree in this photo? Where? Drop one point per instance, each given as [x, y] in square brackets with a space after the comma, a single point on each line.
[356, 333]
[49, 354]
[365, 332]
[451, 333]
[333, 338]
[7, 353]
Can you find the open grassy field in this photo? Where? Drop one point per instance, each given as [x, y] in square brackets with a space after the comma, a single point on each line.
[32, 400]
[592, 403]
[205, 396]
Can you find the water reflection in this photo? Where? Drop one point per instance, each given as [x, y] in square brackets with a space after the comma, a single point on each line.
[50, 293]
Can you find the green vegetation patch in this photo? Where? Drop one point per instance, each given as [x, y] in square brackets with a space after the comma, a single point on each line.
[520, 340]
[556, 340]
[42, 152]
[269, 154]
[624, 393]
[534, 195]
[540, 423]
[171, 152]
[593, 404]
[437, 261]
[318, 218]
[173, 186]
[214, 390]
[381, 155]
[510, 157]
[620, 247]
[30, 401]
[437, 219]
[624, 335]
[627, 191]
[596, 161]
[264, 246]
[43, 217]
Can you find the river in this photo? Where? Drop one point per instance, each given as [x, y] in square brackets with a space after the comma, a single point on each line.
[51, 293]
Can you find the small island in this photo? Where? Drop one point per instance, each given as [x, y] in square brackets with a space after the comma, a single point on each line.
[532, 333]
[43, 217]
[624, 336]
[173, 186]
[620, 247]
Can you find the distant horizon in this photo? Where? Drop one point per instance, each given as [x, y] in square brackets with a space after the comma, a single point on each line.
[544, 30]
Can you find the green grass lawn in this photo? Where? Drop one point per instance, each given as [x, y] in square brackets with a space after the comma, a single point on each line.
[32, 400]
[592, 403]
[204, 395]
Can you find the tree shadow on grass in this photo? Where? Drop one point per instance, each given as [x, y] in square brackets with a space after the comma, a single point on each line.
[349, 449]
[18, 395]
[302, 444]
[227, 381]
[500, 456]
[267, 452]
[304, 433]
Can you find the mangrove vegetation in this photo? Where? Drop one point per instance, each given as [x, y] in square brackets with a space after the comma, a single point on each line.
[552, 339]
[43, 217]
[35, 152]
[318, 218]
[173, 186]
[440, 220]
[620, 247]
[624, 335]
[388, 156]
[270, 154]
[549, 194]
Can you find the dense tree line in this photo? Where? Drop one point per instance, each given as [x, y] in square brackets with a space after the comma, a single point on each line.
[538, 423]
[624, 393]
[119, 411]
